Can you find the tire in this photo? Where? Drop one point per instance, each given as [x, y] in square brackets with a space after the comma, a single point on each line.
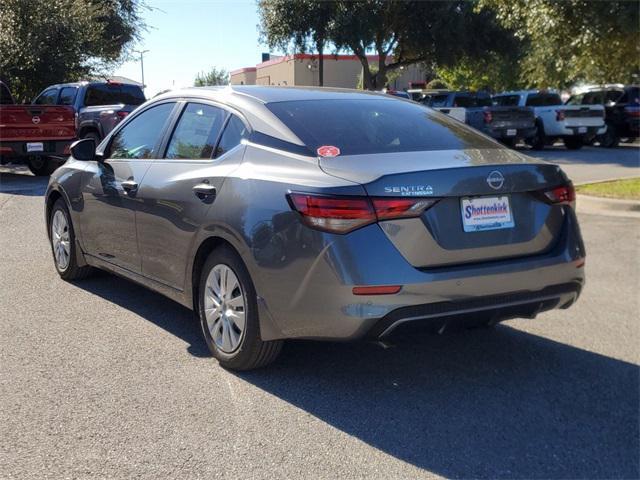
[538, 141]
[64, 233]
[94, 135]
[573, 143]
[509, 142]
[42, 166]
[235, 346]
[610, 138]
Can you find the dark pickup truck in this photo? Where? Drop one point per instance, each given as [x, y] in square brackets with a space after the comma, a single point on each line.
[621, 111]
[506, 124]
[99, 106]
[38, 135]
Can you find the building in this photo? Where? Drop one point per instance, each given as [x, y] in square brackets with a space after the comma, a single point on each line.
[302, 69]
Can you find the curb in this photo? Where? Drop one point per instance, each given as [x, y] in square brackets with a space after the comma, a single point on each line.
[608, 206]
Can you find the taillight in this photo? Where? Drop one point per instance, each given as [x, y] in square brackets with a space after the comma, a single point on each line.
[343, 214]
[563, 195]
[121, 114]
[488, 116]
[632, 111]
[560, 115]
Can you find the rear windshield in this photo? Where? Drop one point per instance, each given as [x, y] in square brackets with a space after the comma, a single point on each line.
[506, 100]
[5, 95]
[543, 99]
[111, 94]
[374, 125]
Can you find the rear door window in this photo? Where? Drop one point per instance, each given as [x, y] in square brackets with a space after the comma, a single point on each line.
[365, 126]
[437, 101]
[593, 98]
[138, 138]
[196, 133]
[543, 99]
[5, 95]
[68, 95]
[48, 97]
[113, 94]
[233, 134]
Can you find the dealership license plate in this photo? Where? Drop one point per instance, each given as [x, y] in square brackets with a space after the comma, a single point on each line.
[35, 147]
[511, 132]
[486, 213]
[582, 129]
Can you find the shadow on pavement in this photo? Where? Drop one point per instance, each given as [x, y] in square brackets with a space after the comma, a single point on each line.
[497, 403]
[17, 180]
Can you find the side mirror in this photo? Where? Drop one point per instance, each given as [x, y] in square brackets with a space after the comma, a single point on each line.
[84, 149]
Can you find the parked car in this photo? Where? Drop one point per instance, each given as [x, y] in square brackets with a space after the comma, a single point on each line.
[38, 135]
[398, 93]
[622, 111]
[574, 124]
[504, 123]
[280, 213]
[100, 106]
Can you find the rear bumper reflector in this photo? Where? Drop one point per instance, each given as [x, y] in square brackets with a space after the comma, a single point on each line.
[377, 290]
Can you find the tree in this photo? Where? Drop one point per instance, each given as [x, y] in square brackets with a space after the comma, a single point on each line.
[407, 32]
[216, 76]
[573, 40]
[301, 24]
[438, 84]
[494, 73]
[52, 41]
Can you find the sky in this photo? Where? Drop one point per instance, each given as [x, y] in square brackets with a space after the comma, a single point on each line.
[189, 36]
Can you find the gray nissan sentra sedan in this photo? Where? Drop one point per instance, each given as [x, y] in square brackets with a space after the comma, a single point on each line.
[278, 212]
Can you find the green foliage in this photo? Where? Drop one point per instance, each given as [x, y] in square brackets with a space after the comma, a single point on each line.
[216, 76]
[494, 73]
[51, 41]
[438, 84]
[392, 76]
[573, 40]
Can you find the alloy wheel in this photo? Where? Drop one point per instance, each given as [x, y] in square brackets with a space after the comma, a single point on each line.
[60, 239]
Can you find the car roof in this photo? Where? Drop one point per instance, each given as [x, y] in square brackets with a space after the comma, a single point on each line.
[527, 92]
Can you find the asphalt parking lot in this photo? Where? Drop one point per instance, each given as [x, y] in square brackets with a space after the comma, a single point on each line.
[102, 378]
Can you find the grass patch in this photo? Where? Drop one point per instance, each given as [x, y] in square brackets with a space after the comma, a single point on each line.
[628, 189]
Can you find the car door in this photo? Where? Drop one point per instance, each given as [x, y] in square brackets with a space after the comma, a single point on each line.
[181, 188]
[110, 188]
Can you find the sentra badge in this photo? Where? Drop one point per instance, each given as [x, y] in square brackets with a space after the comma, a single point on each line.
[409, 190]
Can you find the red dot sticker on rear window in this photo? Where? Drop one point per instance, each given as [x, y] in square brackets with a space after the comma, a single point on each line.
[328, 151]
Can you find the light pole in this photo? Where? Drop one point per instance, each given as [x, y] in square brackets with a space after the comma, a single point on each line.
[142, 52]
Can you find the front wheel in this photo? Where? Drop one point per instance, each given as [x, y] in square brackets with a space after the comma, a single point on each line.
[228, 311]
[63, 243]
[573, 143]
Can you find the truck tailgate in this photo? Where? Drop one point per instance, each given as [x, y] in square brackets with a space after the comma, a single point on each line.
[36, 122]
[582, 116]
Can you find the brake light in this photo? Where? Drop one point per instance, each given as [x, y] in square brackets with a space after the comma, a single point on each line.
[343, 214]
[632, 111]
[560, 115]
[488, 116]
[563, 195]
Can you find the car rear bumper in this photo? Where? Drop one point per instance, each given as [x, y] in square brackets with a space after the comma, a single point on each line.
[504, 133]
[13, 151]
[585, 132]
[317, 300]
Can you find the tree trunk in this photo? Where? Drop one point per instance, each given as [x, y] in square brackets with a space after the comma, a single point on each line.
[320, 47]
[367, 78]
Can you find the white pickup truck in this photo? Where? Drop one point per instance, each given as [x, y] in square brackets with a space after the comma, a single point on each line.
[574, 124]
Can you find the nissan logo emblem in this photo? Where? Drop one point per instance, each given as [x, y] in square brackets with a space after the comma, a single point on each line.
[495, 180]
[35, 119]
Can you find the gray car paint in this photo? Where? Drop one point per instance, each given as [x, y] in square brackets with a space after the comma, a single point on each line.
[304, 277]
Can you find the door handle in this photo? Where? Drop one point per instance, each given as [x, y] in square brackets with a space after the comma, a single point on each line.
[130, 186]
[204, 191]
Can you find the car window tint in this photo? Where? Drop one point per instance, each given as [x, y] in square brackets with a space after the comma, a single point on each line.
[375, 125]
[5, 95]
[464, 101]
[507, 100]
[438, 100]
[631, 95]
[233, 134]
[112, 94]
[68, 95]
[49, 97]
[483, 101]
[139, 136]
[593, 98]
[543, 100]
[196, 133]
[576, 99]
[613, 96]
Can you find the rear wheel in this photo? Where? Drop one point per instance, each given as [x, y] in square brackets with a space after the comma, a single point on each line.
[228, 311]
[538, 141]
[63, 243]
[610, 138]
[573, 143]
[42, 166]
